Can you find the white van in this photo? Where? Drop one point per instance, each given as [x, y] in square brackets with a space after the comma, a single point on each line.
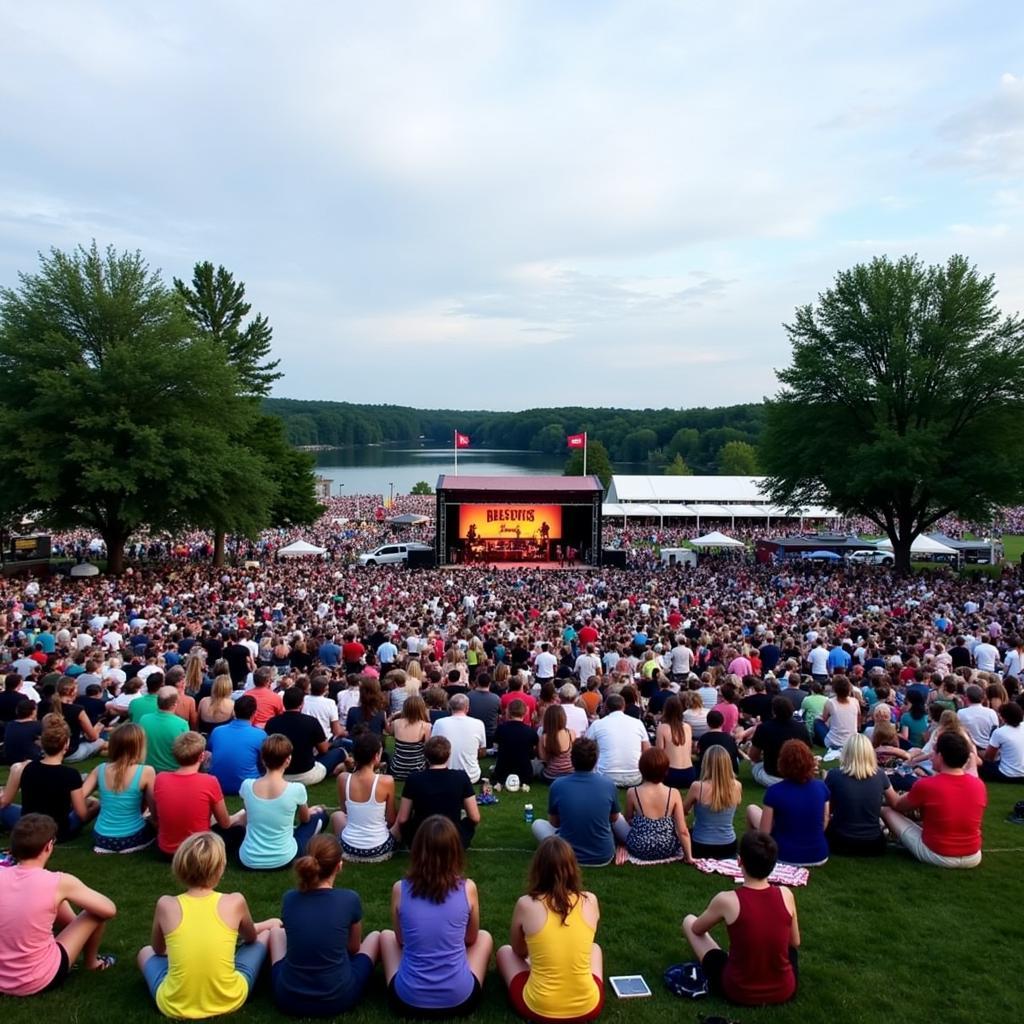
[388, 554]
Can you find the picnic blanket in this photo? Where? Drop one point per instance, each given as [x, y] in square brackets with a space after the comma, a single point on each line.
[784, 874]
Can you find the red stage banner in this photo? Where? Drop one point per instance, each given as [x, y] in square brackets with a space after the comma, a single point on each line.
[461, 440]
[577, 440]
[521, 522]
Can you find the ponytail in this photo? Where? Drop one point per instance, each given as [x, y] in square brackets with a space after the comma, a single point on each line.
[322, 859]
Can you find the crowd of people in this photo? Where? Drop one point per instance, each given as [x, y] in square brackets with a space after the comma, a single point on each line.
[635, 695]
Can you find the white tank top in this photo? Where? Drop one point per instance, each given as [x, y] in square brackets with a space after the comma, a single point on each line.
[367, 826]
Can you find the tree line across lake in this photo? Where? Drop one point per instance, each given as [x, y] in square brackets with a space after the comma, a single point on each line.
[700, 438]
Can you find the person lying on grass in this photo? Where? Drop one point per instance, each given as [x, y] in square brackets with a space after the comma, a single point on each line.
[33, 900]
[760, 967]
[193, 968]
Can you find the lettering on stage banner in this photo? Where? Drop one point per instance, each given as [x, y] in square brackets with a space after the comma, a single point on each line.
[522, 522]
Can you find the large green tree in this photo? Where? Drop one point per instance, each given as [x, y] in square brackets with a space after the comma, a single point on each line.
[678, 467]
[903, 400]
[598, 463]
[275, 486]
[114, 415]
[738, 458]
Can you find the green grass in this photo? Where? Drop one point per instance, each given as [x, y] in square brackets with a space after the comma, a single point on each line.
[882, 940]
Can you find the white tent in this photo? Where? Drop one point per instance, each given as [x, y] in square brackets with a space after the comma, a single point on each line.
[924, 546]
[409, 519]
[300, 549]
[715, 540]
[84, 569]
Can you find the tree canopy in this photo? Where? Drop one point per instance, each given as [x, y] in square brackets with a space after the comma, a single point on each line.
[598, 463]
[114, 415]
[738, 458]
[903, 400]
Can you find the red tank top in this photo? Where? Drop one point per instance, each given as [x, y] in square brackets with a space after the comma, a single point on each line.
[758, 970]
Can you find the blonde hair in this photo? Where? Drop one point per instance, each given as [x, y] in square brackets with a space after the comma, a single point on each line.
[858, 757]
[200, 861]
[127, 748]
[716, 771]
[414, 670]
[222, 689]
[949, 721]
[881, 713]
[194, 673]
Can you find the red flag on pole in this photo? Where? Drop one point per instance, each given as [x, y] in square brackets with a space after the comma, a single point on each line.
[461, 440]
[576, 440]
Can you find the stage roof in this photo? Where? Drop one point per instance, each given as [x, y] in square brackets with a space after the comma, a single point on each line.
[575, 485]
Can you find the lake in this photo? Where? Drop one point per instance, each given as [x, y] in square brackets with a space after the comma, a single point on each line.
[372, 469]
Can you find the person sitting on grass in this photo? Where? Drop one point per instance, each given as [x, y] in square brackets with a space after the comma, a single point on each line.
[49, 786]
[35, 900]
[552, 966]
[713, 800]
[367, 805]
[857, 789]
[1004, 756]
[761, 964]
[320, 962]
[194, 967]
[517, 743]
[125, 785]
[714, 736]
[768, 739]
[272, 839]
[21, 736]
[583, 808]
[951, 804]
[796, 809]
[84, 740]
[436, 957]
[187, 801]
[655, 838]
[439, 789]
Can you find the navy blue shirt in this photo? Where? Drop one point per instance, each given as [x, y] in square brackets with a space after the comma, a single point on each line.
[798, 825]
[317, 968]
[584, 803]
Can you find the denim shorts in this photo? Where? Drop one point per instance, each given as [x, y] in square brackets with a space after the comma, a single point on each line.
[248, 961]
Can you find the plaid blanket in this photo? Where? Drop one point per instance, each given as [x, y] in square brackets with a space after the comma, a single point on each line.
[784, 874]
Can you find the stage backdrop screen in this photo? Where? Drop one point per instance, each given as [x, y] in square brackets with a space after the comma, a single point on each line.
[524, 522]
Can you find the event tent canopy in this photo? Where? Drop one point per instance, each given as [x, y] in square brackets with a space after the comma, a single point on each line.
[300, 549]
[408, 519]
[84, 569]
[715, 540]
[924, 545]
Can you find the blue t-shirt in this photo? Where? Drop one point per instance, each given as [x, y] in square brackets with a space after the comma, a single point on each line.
[584, 802]
[329, 655]
[838, 659]
[235, 754]
[799, 822]
[317, 968]
[270, 826]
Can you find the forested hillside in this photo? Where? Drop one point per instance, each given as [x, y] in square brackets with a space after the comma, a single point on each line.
[654, 436]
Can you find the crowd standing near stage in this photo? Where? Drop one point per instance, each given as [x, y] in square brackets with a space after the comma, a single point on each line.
[871, 709]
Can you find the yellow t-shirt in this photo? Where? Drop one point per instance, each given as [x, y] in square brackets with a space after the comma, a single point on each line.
[201, 978]
[560, 982]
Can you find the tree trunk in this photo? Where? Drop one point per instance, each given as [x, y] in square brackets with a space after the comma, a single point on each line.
[219, 537]
[115, 542]
[901, 554]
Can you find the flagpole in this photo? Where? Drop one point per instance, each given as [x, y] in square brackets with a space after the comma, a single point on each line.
[455, 438]
[584, 453]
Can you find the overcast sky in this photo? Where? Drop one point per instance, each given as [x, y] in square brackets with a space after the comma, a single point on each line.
[502, 205]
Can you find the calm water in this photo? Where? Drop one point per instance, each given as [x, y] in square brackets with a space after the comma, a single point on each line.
[370, 470]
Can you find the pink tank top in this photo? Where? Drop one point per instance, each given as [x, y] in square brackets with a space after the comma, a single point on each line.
[29, 954]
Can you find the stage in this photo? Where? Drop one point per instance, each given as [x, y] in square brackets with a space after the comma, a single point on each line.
[518, 522]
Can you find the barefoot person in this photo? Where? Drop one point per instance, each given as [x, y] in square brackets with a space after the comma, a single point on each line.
[193, 968]
[34, 900]
[760, 966]
[552, 966]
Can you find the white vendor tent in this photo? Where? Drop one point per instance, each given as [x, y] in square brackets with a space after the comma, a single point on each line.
[924, 545]
[85, 569]
[715, 540]
[409, 519]
[300, 549]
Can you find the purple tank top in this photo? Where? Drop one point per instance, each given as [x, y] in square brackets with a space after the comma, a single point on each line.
[434, 973]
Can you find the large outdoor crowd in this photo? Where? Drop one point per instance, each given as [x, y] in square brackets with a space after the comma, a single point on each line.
[424, 692]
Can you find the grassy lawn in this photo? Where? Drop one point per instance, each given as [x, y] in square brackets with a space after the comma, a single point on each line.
[882, 940]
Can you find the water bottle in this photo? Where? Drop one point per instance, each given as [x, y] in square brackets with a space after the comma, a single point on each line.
[528, 814]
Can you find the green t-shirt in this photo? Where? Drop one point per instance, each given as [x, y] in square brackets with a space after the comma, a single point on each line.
[162, 728]
[812, 707]
[144, 705]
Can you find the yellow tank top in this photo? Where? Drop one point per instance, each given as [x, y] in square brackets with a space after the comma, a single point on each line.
[201, 979]
[560, 982]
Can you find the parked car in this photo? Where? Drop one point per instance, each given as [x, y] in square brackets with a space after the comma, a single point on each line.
[870, 556]
[389, 554]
